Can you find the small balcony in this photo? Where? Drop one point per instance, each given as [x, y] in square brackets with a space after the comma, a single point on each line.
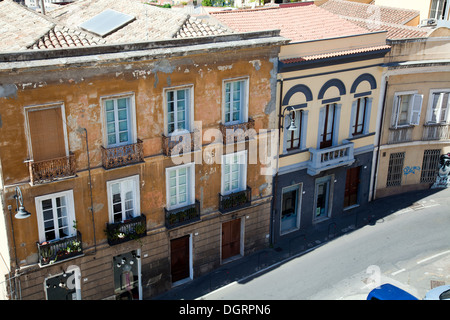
[400, 134]
[237, 132]
[50, 170]
[131, 229]
[331, 157]
[59, 250]
[436, 131]
[114, 157]
[235, 201]
[183, 215]
[178, 143]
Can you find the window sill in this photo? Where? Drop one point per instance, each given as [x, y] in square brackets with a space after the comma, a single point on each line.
[436, 124]
[292, 152]
[320, 219]
[403, 126]
[354, 206]
[362, 135]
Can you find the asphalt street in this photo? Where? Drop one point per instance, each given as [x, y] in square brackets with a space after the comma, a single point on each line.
[409, 248]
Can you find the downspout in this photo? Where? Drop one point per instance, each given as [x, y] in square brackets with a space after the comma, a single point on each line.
[90, 188]
[379, 139]
[275, 183]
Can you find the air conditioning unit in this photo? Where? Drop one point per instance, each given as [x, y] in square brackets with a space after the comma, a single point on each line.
[428, 23]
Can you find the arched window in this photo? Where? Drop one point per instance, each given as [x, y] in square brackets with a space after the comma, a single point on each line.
[294, 112]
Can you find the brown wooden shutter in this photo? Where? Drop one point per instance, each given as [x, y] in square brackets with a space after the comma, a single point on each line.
[47, 135]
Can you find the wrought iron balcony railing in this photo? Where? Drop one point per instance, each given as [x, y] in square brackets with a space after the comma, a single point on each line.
[331, 157]
[131, 229]
[178, 143]
[181, 216]
[113, 157]
[50, 170]
[235, 201]
[59, 250]
[237, 132]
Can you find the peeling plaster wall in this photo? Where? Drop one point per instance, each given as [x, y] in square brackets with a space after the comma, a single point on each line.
[80, 90]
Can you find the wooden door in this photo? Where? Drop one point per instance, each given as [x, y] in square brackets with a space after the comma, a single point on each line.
[351, 187]
[179, 249]
[231, 238]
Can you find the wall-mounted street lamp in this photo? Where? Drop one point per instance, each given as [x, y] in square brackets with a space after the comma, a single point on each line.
[21, 213]
[292, 126]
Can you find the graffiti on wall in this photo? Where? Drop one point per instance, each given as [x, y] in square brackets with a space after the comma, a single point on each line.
[408, 170]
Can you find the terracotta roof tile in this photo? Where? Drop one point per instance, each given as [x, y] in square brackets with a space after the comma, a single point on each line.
[151, 23]
[22, 29]
[383, 14]
[300, 23]
[19, 26]
[335, 54]
[394, 31]
[194, 27]
[63, 37]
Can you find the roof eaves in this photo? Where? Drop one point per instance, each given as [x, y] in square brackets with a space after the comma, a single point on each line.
[336, 54]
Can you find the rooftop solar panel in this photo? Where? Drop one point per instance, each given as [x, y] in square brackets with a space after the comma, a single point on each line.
[106, 22]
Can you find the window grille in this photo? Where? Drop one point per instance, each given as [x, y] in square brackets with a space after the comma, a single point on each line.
[395, 170]
[430, 165]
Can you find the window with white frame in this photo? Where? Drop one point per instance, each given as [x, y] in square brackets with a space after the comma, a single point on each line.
[406, 110]
[438, 106]
[123, 198]
[178, 110]
[290, 208]
[234, 172]
[56, 215]
[292, 137]
[439, 9]
[361, 109]
[180, 186]
[323, 197]
[295, 139]
[328, 125]
[119, 120]
[235, 101]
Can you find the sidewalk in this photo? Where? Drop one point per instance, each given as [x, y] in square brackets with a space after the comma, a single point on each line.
[290, 247]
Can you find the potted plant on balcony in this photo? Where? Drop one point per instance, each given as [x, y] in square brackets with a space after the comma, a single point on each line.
[46, 254]
[73, 247]
[140, 229]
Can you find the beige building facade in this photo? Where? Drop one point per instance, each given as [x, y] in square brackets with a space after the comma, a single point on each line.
[415, 122]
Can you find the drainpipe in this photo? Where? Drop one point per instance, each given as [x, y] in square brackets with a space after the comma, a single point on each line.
[90, 186]
[375, 171]
[275, 182]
